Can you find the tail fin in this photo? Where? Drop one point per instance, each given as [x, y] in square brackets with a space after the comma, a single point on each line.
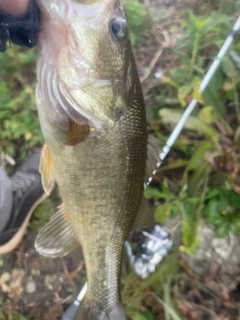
[95, 313]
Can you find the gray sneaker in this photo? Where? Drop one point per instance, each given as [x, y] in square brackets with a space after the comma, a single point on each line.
[27, 194]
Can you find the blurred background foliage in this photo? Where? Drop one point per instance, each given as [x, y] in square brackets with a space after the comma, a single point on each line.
[19, 125]
[174, 43]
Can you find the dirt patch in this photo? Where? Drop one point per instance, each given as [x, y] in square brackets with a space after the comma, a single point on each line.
[38, 287]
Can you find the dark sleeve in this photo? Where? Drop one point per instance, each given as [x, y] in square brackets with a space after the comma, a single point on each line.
[23, 30]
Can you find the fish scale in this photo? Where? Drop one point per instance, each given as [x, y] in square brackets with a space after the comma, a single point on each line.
[96, 143]
[109, 201]
[108, 173]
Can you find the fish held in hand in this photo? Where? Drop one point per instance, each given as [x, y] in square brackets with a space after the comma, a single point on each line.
[92, 115]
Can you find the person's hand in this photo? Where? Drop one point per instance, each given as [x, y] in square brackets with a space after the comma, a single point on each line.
[14, 7]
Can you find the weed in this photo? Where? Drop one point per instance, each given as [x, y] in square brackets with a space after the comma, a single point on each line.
[209, 152]
[138, 294]
[139, 21]
[19, 124]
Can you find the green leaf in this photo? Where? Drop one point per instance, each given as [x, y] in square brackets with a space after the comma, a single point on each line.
[139, 316]
[18, 317]
[139, 21]
[169, 81]
[211, 209]
[152, 193]
[227, 66]
[198, 177]
[234, 199]
[208, 115]
[234, 228]
[200, 23]
[189, 228]
[223, 230]
[211, 94]
[183, 92]
[162, 212]
[198, 157]
[173, 116]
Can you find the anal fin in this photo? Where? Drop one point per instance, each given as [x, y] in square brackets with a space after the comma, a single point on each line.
[56, 239]
[46, 169]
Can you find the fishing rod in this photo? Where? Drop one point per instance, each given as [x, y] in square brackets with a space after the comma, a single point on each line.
[178, 128]
[71, 311]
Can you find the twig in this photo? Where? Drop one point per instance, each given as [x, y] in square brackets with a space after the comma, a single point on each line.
[76, 271]
[156, 56]
[172, 231]
[65, 269]
[213, 314]
[152, 64]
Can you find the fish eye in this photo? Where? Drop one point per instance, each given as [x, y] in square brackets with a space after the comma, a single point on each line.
[118, 28]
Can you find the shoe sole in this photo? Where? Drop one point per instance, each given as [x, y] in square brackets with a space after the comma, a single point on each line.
[17, 238]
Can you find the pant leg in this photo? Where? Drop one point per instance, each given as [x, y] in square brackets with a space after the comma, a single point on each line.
[5, 199]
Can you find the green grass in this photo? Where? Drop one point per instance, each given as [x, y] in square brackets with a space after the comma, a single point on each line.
[139, 295]
[207, 150]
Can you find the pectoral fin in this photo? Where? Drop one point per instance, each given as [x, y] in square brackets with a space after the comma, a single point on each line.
[153, 160]
[77, 133]
[56, 239]
[46, 169]
[144, 216]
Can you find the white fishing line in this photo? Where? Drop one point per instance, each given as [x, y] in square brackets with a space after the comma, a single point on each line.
[178, 128]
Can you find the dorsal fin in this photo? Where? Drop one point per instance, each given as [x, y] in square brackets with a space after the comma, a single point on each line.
[77, 133]
[144, 216]
[46, 169]
[153, 152]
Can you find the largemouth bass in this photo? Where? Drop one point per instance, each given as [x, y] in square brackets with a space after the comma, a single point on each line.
[92, 115]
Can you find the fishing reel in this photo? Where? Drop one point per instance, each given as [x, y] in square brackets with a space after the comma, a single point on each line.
[145, 251]
[149, 250]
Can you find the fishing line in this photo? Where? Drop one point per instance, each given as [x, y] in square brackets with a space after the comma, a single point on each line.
[178, 128]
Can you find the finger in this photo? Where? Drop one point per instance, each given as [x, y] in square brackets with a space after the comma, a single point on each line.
[14, 7]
